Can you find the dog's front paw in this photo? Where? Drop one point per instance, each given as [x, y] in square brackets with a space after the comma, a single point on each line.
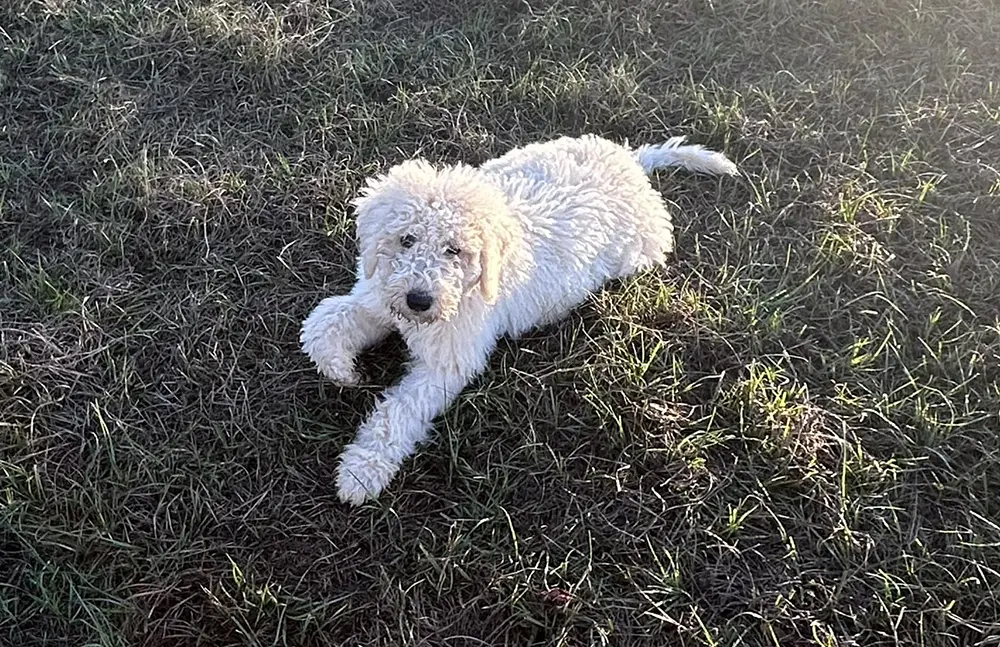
[335, 367]
[329, 360]
[363, 474]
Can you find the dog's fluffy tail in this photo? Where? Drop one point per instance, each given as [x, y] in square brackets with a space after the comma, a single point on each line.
[692, 157]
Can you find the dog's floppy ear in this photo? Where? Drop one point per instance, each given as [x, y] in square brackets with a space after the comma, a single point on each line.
[369, 259]
[498, 239]
[370, 249]
[489, 268]
[371, 214]
[500, 234]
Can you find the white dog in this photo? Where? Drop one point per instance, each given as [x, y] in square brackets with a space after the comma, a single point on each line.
[454, 258]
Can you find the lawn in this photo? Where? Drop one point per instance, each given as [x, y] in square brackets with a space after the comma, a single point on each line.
[789, 437]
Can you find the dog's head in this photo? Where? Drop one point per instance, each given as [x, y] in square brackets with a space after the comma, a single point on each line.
[429, 237]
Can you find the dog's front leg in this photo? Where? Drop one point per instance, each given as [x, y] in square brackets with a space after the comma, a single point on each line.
[338, 329]
[402, 420]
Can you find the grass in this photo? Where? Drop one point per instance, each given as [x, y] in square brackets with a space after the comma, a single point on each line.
[790, 437]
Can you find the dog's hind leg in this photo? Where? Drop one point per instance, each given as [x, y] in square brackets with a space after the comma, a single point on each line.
[338, 329]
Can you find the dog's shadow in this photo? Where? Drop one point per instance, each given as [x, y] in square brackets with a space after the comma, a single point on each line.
[385, 363]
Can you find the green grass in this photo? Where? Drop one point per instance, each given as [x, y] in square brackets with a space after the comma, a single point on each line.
[789, 437]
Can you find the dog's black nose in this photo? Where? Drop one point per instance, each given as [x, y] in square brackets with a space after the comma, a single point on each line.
[418, 301]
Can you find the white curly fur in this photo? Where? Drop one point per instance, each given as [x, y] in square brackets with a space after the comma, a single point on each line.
[499, 249]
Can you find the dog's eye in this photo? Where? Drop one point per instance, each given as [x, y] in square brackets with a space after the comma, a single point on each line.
[407, 241]
[451, 250]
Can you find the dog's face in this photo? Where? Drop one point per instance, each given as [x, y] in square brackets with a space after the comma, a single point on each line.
[428, 239]
[421, 268]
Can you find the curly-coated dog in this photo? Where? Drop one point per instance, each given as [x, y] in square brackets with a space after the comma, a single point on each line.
[456, 257]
